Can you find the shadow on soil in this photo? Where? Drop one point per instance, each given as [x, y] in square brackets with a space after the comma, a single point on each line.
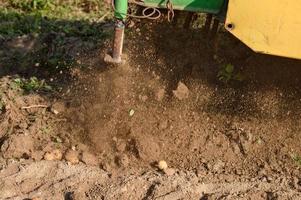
[176, 54]
[32, 45]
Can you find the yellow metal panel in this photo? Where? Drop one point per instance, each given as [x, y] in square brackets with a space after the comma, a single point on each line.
[267, 26]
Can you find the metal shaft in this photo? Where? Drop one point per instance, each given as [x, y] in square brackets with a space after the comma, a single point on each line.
[120, 8]
[118, 41]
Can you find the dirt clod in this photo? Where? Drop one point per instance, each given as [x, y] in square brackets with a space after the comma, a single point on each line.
[162, 165]
[58, 107]
[18, 146]
[72, 156]
[107, 166]
[163, 125]
[169, 171]
[53, 155]
[131, 112]
[218, 166]
[89, 159]
[82, 147]
[122, 160]
[120, 146]
[37, 155]
[143, 98]
[160, 94]
[182, 91]
[148, 149]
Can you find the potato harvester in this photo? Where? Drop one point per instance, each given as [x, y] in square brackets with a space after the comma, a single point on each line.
[266, 26]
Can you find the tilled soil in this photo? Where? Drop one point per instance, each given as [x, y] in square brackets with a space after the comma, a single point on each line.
[57, 180]
[221, 140]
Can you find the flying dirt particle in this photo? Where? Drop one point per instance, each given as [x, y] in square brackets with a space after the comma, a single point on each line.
[169, 171]
[131, 112]
[162, 165]
[107, 166]
[58, 107]
[82, 147]
[72, 156]
[182, 91]
[53, 155]
[89, 159]
[37, 155]
[58, 139]
[120, 146]
[143, 98]
[215, 57]
[218, 166]
[23, 125]
[55, 111]
[147, 148]
[163, 125]
[201, 171]
[160, 94]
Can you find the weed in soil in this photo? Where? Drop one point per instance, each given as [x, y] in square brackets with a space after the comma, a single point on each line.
[297, 159]
[33, 84]
[49, 34]
[227, 73]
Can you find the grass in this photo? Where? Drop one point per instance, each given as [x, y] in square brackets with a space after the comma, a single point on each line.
[90, 10]
[45, 130]
[15, 23]
[52, 25]
[227, 73]
[31, 84]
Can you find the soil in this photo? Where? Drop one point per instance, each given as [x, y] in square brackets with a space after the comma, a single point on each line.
[103, 134]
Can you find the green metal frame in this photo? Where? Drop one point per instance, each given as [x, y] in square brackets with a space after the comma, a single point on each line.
[206, 6]
[121, 7]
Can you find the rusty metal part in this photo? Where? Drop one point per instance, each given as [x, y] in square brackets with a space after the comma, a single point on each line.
[118, 43]
[121, 13]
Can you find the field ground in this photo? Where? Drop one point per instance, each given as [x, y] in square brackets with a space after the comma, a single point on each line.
[225, 119]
